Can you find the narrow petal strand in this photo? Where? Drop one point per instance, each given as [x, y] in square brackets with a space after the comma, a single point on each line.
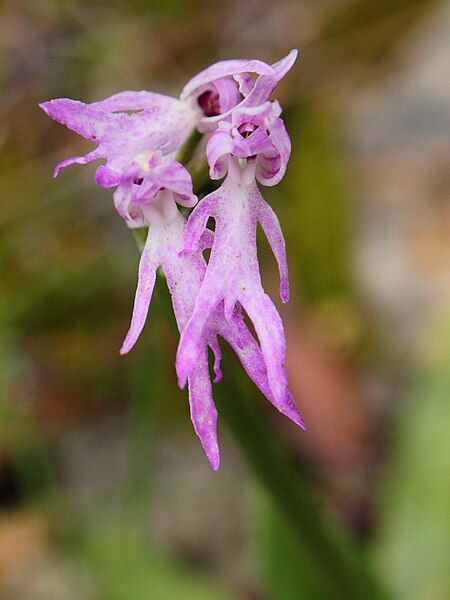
[271, 227]
[250, 355]
[203, 409]
[146, 282]
[197, 224]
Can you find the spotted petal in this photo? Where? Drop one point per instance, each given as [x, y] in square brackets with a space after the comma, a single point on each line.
[160, 123]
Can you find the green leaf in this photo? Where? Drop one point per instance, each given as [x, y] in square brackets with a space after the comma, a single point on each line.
[126, 568]
[414, 541]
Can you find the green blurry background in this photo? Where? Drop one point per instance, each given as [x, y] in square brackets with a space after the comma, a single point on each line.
[104, 490]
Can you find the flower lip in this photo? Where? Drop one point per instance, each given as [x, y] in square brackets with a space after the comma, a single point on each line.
[149, 174]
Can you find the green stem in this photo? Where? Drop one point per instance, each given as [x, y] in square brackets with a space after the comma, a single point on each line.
[186, 152]
[340, 564]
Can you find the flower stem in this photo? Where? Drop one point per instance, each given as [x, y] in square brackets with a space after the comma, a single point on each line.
[340, 565]
[187, 150]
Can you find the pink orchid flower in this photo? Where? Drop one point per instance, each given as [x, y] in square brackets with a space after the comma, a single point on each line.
[129, 123]
[138, 134]
[254, 146]
[147, 196]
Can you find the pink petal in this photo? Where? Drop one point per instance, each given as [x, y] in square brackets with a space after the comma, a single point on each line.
[134, 101]
[162, 123]
[250, 355]
[203, 410]
[265, 84]
[196, 225]
[271, 227]
[272, 165]
[146, 282]
[224, 68]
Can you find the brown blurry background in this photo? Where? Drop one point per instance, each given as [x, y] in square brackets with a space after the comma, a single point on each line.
[104, 490]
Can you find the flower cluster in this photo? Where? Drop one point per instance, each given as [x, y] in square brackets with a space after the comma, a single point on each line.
[138, 134]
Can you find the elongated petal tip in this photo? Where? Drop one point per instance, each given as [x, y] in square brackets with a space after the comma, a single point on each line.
[44, 106]
[186, 357]
[298, 420]
[214, 459]
[127, 345]
[284, 292]
[183, 368]
[291, 411]
[285, 64]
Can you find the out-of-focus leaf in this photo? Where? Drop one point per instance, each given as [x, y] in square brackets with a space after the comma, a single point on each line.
[335, 562]
[414, 544]
[128, 569]
[288, 571]
[316, 206]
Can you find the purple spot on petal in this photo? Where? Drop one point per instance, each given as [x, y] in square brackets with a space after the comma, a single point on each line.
[209, 103]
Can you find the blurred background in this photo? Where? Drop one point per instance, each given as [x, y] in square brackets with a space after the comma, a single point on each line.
[105, 493]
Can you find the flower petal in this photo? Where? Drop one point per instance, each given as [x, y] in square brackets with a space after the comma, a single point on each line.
[146, 282]
[173, 176]
[269, 328]
[272, 165]
[195, 227]
[224, 68]
[271, 227]
[219, 146]
[162, 124]
[88, 121]
[250, 355]
[203, 410]
[135, 101]
[265, 84]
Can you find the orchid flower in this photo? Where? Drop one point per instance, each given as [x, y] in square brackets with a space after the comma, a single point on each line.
[147, 196]
[160, 122]
[253, 147]
[138, 135]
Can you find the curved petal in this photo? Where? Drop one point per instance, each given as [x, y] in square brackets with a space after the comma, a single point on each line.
[269, 328]
[196, 224]
[271, 227]
[203, 410]
[218, 148]
[144, 291]
[272, 165]
[174, 177]
[265, 84]
[258, 92]
[224, 68]
[251, 358]
[80, 160]
[190, 344]
[84, 119]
